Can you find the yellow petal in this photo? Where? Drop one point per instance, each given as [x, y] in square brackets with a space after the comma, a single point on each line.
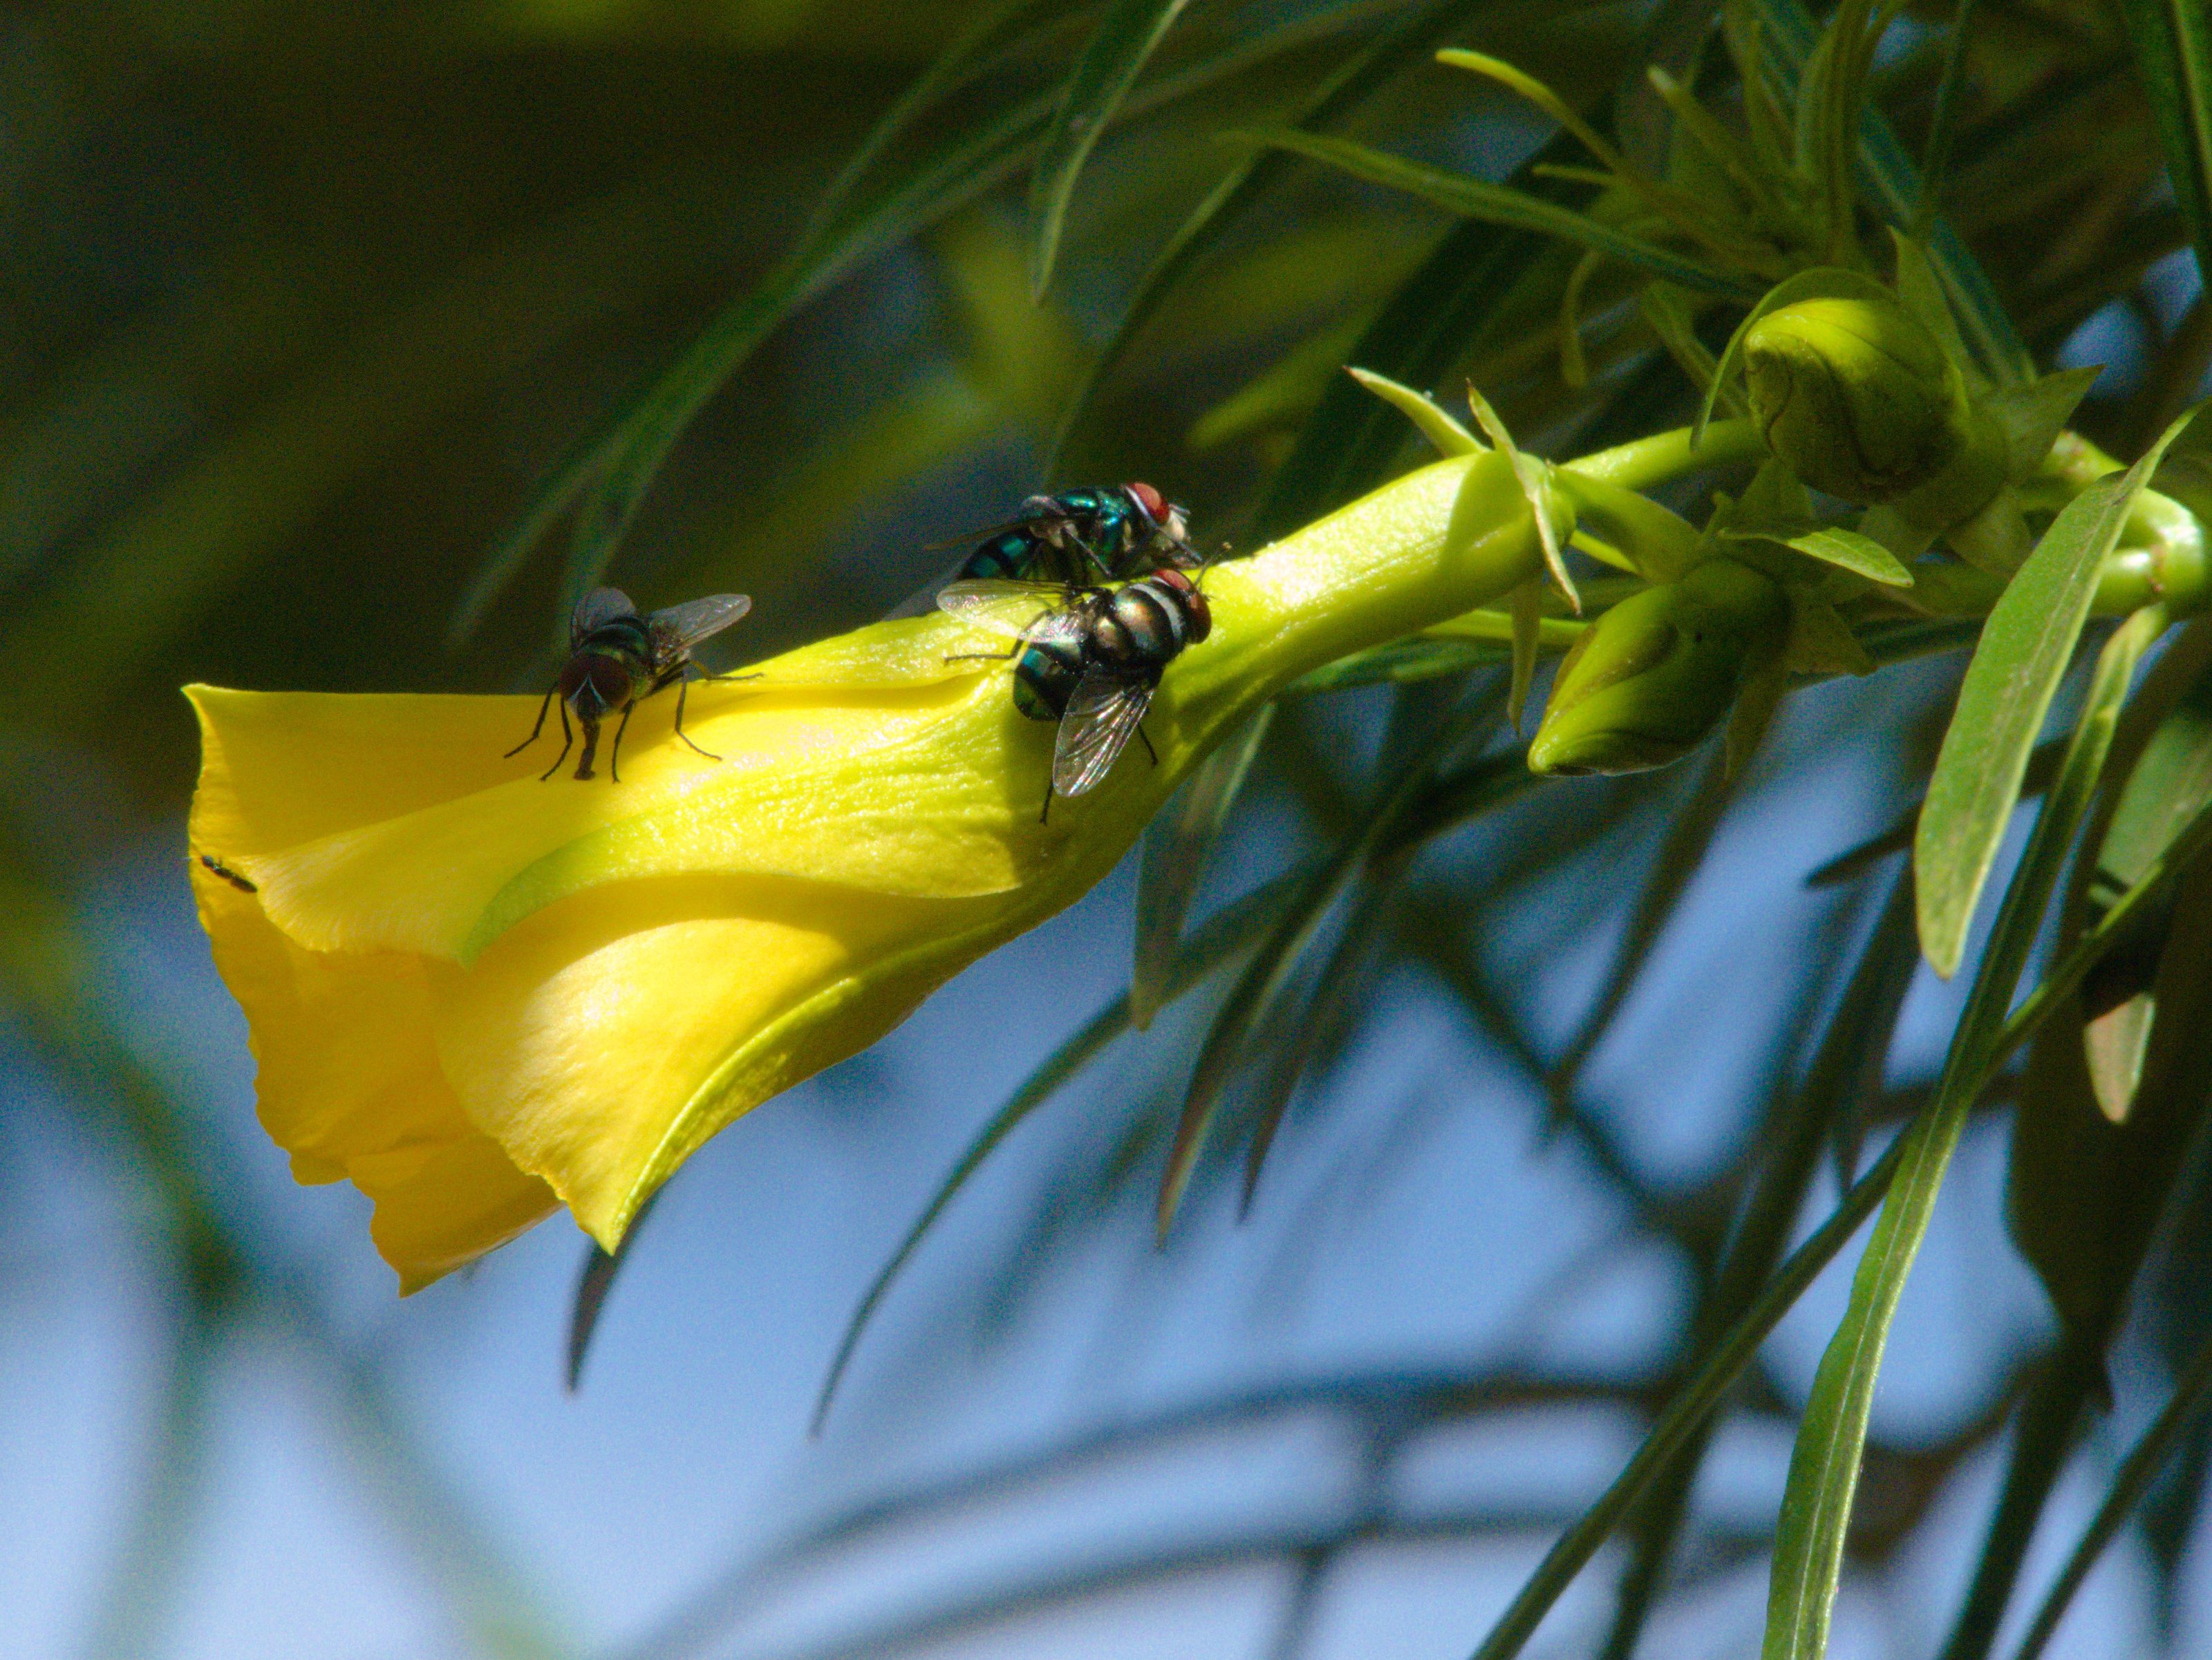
[349, 1085]
[606, 1037]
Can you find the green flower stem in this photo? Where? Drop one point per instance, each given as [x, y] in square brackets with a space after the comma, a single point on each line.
[2178, 575]
[2158, 521]
[1666, 456]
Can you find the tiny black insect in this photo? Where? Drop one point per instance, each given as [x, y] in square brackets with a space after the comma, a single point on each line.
[616, 659]
[1092, 662]
[229, 875]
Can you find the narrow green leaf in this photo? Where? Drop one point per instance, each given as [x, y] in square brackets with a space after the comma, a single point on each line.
[1405, 663]
[569, 479]
[1689, 838]
[632, 451]
[2025, 646]
[1253, 997]
[1847, 550]
[1935, 160]
[1174, 858]
[937, 184]
[2172, 40]
[2169, 782]
[1824, 1465]
[1221, 937]
[1445, 309]
[1499, 204]
[1527, 606]
[1892, 183]
[593, 1281]
[1336, 986]
[2138, 1471]
[1844, 1070]
[1691, 1405]
[1434, 423]
[1337, 96]
[1897, 837]
[2043, 1438]
[1109, 67]
[995, 31]
[1666, 309]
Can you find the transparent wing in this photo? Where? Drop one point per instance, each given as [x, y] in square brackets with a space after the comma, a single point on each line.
[680, 628]
[597, 609]
[991, 603]
[1101, 719]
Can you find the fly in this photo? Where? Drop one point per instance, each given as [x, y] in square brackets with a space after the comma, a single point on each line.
[1076, 539]
[616, 659]
[1093, 663]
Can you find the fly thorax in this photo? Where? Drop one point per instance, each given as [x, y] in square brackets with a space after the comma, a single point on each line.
[1111, 640]
[1150, 619]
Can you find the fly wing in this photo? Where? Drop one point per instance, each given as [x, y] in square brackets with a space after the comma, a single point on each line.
[974, 537]
[988, 604]
[597, 609]
[680, 628]
[1101, 718]
[923, 600]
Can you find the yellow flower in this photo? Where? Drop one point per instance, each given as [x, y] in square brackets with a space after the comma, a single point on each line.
[479, 997]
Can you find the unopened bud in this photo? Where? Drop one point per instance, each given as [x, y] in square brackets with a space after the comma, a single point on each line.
[1649, 680]
[1857, 396]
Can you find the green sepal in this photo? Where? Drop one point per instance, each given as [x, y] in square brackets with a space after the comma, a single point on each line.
[1820, 642]
[1437, 426]
[2032, 417]
[1655, 542]
[1526, 607]
[1550, 505]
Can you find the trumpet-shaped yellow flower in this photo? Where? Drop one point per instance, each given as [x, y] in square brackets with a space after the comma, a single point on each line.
[479, 997]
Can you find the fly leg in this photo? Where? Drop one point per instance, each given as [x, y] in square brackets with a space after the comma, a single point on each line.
[985, 657]
[683, 687]
[567, 739]
[1095, 566]
[1044, 813]
[534, 731]
[614, 755]
[1147, 737]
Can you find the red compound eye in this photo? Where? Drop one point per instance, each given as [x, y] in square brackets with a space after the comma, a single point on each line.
[1154, 504]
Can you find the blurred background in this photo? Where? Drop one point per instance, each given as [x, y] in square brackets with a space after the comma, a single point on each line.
[308, 308]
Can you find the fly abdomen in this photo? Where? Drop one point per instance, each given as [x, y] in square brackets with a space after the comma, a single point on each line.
[1010, 556]
[1046, 675]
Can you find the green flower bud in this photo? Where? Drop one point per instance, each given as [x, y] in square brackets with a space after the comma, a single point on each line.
[1858, 398]
[1649, 679]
